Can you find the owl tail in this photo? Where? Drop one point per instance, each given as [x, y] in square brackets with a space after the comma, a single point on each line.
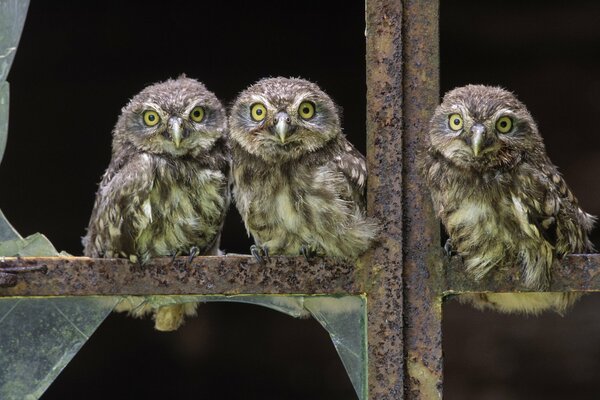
[166, 318]
[171, 317]
[521, 303]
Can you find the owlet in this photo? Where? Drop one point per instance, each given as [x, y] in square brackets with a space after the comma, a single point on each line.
[298, 183]
[501, 199]
[166, 189]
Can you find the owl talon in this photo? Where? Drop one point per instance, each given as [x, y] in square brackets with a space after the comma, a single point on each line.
[193, 253]
[259, 252]
[307, 252]
[449, 250]
[255, 251]
[174, 256]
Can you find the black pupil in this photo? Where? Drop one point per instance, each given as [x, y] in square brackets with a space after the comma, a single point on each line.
[504, 124]
[151, 117]
[196, 113]
[306, 110]
[258, 111]
[456, 121]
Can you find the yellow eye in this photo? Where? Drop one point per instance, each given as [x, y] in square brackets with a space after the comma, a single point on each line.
[151, 118]
[258, 112]
[456, 122]
[504, 124]
[197, 114]
[306, 110]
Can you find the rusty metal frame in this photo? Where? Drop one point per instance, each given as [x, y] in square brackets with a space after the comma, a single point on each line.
[405, 276]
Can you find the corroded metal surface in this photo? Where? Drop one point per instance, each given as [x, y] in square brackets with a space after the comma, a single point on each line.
[578, 272]
[205, 275]
[384, 156]
[422, 258]
[8, 275]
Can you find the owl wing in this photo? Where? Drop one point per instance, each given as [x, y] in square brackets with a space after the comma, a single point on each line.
[119, 210]
[353, 166]
[554, 211]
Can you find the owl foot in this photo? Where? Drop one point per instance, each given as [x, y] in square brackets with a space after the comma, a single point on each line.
[193, 253]
[307, 252]
[140, 261]
[174, 256]
[259, 252]
[449, 250]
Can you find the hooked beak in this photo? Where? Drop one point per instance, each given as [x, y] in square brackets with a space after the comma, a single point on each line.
[175, 130]
[282, 125]
[477, 138]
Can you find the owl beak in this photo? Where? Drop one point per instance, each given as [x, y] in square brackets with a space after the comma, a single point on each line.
[175, 130]
[282, 125]
[477, 138]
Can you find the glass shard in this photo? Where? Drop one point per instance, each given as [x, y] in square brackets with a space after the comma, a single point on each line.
[344, 318]
[12, 18]
[38, 338]
[35, 245]
[7, 232]
[4, 106]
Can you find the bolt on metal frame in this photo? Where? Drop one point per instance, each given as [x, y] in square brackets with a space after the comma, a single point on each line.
[404, 277]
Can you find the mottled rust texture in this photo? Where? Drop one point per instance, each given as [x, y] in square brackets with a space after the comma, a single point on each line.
[205, 275]
[578, 272]
[422, 258]
[384, 157]
[8, 275]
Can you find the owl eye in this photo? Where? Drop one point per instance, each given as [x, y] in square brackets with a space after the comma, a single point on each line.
[504, 124]
[456, 122]
[151, 118]
[258, 111]
[306, 110]
[197, 114]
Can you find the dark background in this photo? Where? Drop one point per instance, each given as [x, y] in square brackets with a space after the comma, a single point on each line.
[79, 62]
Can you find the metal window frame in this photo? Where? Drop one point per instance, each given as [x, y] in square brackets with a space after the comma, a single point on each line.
[404, 277]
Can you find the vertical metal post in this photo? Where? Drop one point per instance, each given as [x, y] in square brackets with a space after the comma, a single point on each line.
[422, 264]
[384, 157]
[404, 297]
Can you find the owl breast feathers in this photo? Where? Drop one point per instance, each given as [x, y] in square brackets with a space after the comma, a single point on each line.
[166, 189]
[500, 198]
[298, 183]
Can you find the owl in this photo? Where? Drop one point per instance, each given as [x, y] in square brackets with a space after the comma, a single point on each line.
[167, 187]
[502, 201]
[298, 183]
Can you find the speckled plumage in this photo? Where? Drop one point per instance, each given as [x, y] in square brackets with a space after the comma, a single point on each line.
[298, 183]
[500, 198]
[166, 188]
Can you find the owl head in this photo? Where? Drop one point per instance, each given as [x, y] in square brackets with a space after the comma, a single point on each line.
[178, 117]
[482, 127]
[279, 119]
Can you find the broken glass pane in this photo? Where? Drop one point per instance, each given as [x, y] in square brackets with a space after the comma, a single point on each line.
[12, 18]
[344, 318]
[38, 338]
[4, 98]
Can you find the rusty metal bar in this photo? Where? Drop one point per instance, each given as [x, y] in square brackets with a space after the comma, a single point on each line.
[384, 157]
[422, 256]
[577, 272]
[228, 275]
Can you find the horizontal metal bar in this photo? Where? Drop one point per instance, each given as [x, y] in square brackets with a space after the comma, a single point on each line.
[226, 275]
[575, 272]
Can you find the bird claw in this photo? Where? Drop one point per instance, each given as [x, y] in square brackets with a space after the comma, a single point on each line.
[193, 253]
[448, 249]
[259, 252]
[307, 252]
